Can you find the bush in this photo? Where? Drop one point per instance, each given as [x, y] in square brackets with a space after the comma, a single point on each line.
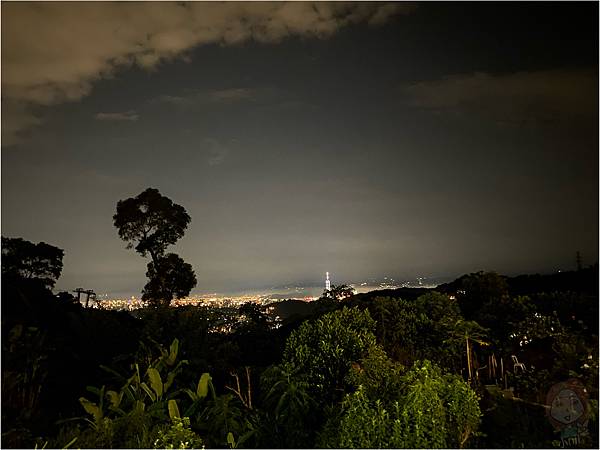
[178, 435]
[430, 410]
[324, 349]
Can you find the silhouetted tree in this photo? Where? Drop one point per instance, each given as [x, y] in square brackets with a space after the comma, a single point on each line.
[255, 317]
[22, 259]
[152, 222]
[478, 289]
[67, 298]
[170, 278]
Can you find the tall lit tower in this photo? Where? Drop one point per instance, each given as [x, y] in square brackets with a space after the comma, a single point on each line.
[327, 282]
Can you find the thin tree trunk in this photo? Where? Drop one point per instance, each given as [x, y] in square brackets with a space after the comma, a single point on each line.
[468, 360]
[249, 388]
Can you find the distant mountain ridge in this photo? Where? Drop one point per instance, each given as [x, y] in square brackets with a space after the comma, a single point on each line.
[583, 281]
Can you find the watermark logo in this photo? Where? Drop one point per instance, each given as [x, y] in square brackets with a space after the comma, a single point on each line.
[568, 411]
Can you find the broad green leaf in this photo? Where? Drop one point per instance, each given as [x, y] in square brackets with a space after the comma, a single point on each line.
[114, 398]
[91, 408]
[155, 382]
[174, 349]
[230, 440]
[173, 410]
[202, 389]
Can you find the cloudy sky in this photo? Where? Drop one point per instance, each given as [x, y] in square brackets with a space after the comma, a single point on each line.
[366, 139]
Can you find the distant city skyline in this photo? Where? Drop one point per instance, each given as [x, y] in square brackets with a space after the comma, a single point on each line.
[301, 290]
[365, 139]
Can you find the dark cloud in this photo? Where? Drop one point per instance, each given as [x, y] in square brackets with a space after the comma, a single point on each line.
[16, 117]
[176, 100]
[126, 116]
[232, 95]
[53, 52]
[537, 97]
[225, 96]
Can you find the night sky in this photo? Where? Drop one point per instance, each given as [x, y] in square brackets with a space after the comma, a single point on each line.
[361, 139]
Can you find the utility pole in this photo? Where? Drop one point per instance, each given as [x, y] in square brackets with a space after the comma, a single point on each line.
[79, 291]
[578, 259]
[89, 294]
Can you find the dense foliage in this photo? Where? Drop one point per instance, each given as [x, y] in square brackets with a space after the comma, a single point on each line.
[388, 369]
[22, 259]
[325, 348]
[429, 410]
[169, 277]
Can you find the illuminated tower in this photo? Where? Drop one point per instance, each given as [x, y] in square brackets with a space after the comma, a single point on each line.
[327, 282]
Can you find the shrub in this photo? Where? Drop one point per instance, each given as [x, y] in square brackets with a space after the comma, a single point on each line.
[324, 349]
[178, 435]
[430, 410]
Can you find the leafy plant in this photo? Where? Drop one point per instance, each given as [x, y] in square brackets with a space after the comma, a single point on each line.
[430, 410]
[409, 330]
[290, 405]
[203, 387]
[225, 414]
[324, 349]
[125, 417]
[25, 354]
[178, 435]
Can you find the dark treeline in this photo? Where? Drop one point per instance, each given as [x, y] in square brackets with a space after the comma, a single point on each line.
[468, 364]
[584, 280]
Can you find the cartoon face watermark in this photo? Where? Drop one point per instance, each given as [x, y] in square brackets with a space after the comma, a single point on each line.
[568, 411]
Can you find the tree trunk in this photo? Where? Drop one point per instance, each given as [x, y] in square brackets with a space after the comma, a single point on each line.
[154, 257]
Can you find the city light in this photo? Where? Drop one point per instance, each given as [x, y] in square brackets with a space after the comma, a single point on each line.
[133, 303]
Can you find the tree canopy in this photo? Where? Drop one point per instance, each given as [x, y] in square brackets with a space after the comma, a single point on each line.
[170, 277]
[151, 221]
[479, 289]
[26, 260]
